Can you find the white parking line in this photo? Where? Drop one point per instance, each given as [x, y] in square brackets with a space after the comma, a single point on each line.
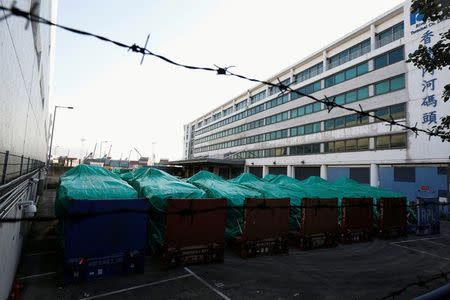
[136, 287]
[423, 252]
[41, 253]
[208, 285]
[417, 240]
[36, 275]
[436, 243]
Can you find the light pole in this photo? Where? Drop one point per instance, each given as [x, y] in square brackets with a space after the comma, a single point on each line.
[53, 130]
[101, 144]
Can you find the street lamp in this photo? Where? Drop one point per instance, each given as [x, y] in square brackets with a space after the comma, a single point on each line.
[53, 130]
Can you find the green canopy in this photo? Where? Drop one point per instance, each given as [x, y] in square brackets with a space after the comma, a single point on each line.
[135, 173]
[158, 186]
[217, 187]
[272, 190]
[90, 183]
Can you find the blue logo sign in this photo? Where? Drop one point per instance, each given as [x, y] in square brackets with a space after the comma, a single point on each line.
[415, 18]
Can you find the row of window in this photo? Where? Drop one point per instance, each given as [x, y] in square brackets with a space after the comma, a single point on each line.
[258, 97]
[389, 35]
[347, 74]
[389, 58]
[358, 70]
[395, 141]
[307, 89]
[349, 54]
[264, 137]
[280, 117]
[391, 84]
[305, 129]
[396, 112]
[309, 73]
[276, 89]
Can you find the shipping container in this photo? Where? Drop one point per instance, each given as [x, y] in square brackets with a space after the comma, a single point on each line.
[356, 222]
[265, 230]
[392, 221]
[103, 238]
[319, 224]
[194, 231]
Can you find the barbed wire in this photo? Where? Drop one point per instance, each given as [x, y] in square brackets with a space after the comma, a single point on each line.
[418, 283]
[330, 104]
[192, 211]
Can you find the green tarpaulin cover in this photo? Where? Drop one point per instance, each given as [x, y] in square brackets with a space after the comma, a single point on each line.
[217, 187]
[272, 190]
[316, 187]
[135, 173]
[158, 186]
[90, 183]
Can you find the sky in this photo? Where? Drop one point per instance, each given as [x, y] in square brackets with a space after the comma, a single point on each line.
[122, 105]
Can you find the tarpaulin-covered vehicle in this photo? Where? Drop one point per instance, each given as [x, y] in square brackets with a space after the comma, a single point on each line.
[389, 208]
[250, 225]
[185, 227]
[103, 224]
[318, 225]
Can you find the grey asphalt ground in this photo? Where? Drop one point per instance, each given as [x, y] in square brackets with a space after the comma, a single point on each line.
[370, 270]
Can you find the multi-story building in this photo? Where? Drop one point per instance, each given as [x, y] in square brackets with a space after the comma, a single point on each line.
[26, 53]
[288, 134]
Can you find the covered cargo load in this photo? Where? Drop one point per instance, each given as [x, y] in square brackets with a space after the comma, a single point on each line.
[103, 230]
[272, 190]
[86, 182]
[158, 186]
[133, 174]
[217, 187]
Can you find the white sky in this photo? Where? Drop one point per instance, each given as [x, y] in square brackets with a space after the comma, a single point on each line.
[118, 100]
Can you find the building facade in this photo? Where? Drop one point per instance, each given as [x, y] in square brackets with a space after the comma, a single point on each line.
[287, 134]
[26, 56]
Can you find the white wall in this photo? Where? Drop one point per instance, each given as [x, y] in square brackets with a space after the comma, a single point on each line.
[23, 115]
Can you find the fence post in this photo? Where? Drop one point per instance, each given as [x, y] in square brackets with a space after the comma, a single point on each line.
[28, 165]
[5, 167]
[21, 165]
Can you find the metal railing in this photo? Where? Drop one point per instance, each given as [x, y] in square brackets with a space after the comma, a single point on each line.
[14, 166]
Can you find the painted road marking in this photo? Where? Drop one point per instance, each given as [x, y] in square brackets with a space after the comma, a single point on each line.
[36, 275]
[136, 287]
[421, 251]
[208, 285]
[417, 240]
[41, 253]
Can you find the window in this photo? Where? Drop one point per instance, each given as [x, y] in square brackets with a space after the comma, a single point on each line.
[382, 142]
[349, 54]
[361, 175]
[363, 93]
[398, 140]
[257, 97]
[389, 35]
[304, 149]
[390, 141]
[350, 145]
[405, 174]
[390, 85]
[363, 144]
[397, 83]
[275, 89]
[240, 105]
[227, 111]
[329, 147]
[389, 58]
[309, 73]
[339, 146]
[329, 124]
[382, 87]
[347, 74]
[339, 122]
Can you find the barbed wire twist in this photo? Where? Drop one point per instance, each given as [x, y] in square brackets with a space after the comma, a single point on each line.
[330, 104]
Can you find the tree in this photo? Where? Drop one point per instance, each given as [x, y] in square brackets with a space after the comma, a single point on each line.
[436, 57]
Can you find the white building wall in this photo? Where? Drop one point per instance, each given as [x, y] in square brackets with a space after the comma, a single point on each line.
[23, 102]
